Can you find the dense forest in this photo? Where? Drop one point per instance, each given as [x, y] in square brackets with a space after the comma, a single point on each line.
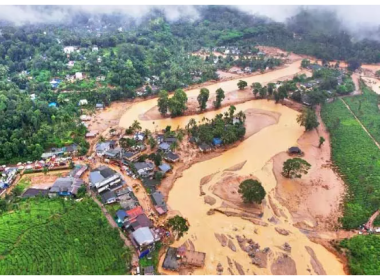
[114, 58]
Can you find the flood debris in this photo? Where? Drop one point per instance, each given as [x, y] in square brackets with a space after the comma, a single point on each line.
[231, 245]
[283, 265]
[219, 269]
[274, 220]
[282, 231]
[222, 239]
[315, 263]
[211, 212]
[286, 247]
[229, 262]
[209, 200]
[239, 268]
[230, 271]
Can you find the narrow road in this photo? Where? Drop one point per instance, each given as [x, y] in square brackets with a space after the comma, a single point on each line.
[112, 222]
[373, 139]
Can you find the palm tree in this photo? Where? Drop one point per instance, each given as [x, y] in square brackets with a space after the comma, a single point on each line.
[136, 125]
[174, 146]
[241, 116]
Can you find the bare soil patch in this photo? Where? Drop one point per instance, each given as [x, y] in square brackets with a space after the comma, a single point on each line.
[283, 265]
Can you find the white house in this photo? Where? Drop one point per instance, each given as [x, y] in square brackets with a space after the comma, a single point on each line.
[102, 148]
[78, 75]
[83, 102]
[33, 96]
[95, 48]
[99, 59]
[69, 49]
[70, 64]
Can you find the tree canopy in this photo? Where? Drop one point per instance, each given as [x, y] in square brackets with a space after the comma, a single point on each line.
[295, 168]
[252, 191]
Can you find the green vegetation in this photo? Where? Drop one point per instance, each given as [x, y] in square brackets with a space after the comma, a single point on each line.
[54, 236]
[222, 126]
[154, 258]
[321, 141]
[363, 255]
[305, 63]
[365, 108]
[242, 84]
[202, 98]
[178, 225]
[219, 98]
[295, 167]
[358, 160]
[308, 119]
[163, 102]
[177, 104]
[252, 191]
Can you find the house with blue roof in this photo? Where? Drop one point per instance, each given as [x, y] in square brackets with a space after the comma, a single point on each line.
[53, 104]
[217, 141]
[55, 83]
[164, 168]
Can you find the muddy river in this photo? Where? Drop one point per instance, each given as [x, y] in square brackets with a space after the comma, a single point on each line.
[257, 151]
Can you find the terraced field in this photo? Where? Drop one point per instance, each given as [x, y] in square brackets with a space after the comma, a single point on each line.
[44, 236]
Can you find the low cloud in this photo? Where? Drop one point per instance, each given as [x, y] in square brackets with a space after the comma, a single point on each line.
[357, 19]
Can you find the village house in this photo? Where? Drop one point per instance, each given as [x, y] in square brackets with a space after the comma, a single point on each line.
[164, 147]
[99, 59]
[159, 202]
[216, 142]
[144, 169]
[164, 168]
[7, 178]
[204, 147]
[149, 270]
[99, 106]
[102, 148]
[82, 102]
[139, 136]
[171, 157]
[150, 184]
[66, 186]
[108, 197]
[100, 78]
[78, 171]
[55, 83]
[69, 49]
[113, 153]
[95, 49]
[79, 75]
[176, 258]
[120, 217]
[85, 118]
[143, 238]
[104, 178]
[71, 64]
[160, 138]
[92, 134]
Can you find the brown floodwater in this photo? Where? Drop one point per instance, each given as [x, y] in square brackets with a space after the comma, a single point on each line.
[258, 151]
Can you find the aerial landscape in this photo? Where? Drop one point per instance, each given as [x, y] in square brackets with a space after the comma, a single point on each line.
[189, 140]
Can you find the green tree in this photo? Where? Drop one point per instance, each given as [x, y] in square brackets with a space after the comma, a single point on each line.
[321, 141]
[263, 92]
[308, 119]
[256, 87]
[178, 225]
[202, 98]
[71, 165]
[271, 87]
[242, 84]
[305, 63]
[219, 98]
[252, 191]
[177, 104]
[295, 167]
[152, 142]
[163, 102]
[136, 125]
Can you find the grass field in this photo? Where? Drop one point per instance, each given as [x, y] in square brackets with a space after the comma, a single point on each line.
[358, 160]
[56, 236]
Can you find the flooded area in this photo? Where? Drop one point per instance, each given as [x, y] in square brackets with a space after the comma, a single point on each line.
[276, 226]
[373, 83]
